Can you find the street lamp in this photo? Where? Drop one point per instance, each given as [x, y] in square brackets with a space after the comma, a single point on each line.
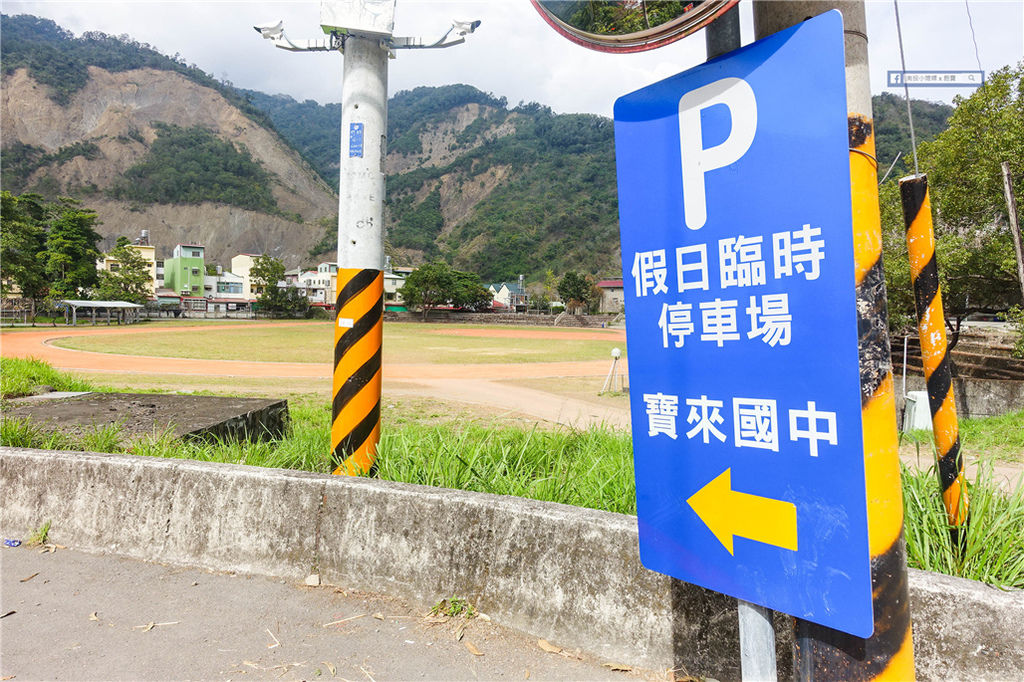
[362, 31]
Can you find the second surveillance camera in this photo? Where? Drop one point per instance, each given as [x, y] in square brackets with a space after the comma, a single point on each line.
[270, 30]
[464, 27]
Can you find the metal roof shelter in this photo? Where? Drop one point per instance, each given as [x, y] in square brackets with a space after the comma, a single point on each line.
[128, 312]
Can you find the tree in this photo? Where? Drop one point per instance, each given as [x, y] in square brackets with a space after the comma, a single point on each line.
[437, 284]
[974, 250]
[428, 286]
[71, 249]
[130, 280]
[468, 292]
[22, 241]
[265, 273]
[576, 290]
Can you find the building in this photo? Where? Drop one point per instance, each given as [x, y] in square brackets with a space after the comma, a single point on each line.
[185, 271]
[317, 285]
[241, 265]
[392, 297]
[511, 295]
[613, 298]
[148, 253]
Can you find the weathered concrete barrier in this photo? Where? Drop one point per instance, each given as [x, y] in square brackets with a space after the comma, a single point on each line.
[569, 575]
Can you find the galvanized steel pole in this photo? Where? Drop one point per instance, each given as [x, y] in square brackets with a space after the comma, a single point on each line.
[823, 653]
[359, 309]
[757, 635]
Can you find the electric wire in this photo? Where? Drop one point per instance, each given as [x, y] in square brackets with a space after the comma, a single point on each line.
[906, 88]
[974, 38]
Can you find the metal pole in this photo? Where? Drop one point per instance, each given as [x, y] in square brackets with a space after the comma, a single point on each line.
[359, 309]
[757, 636]
[723, 34]
[1011, 210]
[823, 653]
[757, 643]
[931, 330]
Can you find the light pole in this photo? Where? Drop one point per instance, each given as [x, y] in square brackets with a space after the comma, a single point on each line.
[362, 31]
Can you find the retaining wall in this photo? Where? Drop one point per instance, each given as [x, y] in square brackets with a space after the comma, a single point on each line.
[975, 397]
[569, 575]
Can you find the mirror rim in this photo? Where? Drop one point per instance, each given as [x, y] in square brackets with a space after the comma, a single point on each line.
[639, 41]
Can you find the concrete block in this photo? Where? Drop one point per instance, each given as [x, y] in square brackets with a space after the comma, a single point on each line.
[232, 518]
[569, 575]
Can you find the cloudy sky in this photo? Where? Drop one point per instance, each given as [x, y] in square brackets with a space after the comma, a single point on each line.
[514, 54]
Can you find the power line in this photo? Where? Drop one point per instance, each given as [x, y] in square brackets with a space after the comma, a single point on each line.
[906, 88]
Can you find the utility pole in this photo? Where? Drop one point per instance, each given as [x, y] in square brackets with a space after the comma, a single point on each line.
[362, 31]
[823, 653]
[1011, 210]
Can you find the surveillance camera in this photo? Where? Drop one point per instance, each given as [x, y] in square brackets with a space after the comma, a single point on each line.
[464, 27]
[270, 30]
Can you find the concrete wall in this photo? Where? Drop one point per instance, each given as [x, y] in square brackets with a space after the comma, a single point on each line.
[569, 575]
[974, 397]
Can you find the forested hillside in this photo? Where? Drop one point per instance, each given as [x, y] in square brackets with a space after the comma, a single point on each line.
[552, 204]
[893, 129]
[148, 142]
[489, 188]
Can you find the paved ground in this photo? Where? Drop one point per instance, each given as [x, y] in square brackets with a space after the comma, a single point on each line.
[74, 616]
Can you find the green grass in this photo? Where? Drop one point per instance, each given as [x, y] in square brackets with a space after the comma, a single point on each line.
[591, 468]
[1000, 437]
[313, 342]
[993, 544]
[19, 377]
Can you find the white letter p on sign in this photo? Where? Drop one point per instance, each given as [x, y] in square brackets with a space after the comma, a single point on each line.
[738, 96]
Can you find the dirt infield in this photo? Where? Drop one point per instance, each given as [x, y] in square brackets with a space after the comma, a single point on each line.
[473, 384]
[532, 333]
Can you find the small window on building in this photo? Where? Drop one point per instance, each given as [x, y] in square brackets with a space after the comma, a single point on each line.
[195, 272]
[197, 254]
[114, 267]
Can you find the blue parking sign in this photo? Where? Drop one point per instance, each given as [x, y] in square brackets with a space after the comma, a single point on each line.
[737, 253]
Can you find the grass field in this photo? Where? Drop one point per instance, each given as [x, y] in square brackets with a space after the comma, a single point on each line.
[314, 342]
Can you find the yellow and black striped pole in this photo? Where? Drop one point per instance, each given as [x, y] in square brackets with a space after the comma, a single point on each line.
[823, 653]
[358, 335]
[359, 307]
[931, 329]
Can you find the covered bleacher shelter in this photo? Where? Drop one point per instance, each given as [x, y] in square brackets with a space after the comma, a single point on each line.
[125, 312]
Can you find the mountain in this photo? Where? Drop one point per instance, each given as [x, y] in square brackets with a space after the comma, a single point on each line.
[504, 191]
[151, 143]
[893, 130]
[493, 190]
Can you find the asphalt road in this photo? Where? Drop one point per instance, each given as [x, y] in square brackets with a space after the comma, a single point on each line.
[69, 615]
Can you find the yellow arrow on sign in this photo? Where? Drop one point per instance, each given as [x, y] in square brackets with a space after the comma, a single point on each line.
[729, 513]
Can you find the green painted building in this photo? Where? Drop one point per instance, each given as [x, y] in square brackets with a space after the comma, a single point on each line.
[185, 269]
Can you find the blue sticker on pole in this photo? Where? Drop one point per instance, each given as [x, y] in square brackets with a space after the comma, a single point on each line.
[355, 139]
[737, 250]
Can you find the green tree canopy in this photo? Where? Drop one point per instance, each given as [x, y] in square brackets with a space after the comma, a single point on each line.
[129, 280]
[437, 284]
[576, 290]
[22, 243]
[265, 273]
[974, 251]
[71, 250]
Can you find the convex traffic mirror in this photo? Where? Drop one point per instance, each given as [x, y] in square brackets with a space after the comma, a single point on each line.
[629, 25]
